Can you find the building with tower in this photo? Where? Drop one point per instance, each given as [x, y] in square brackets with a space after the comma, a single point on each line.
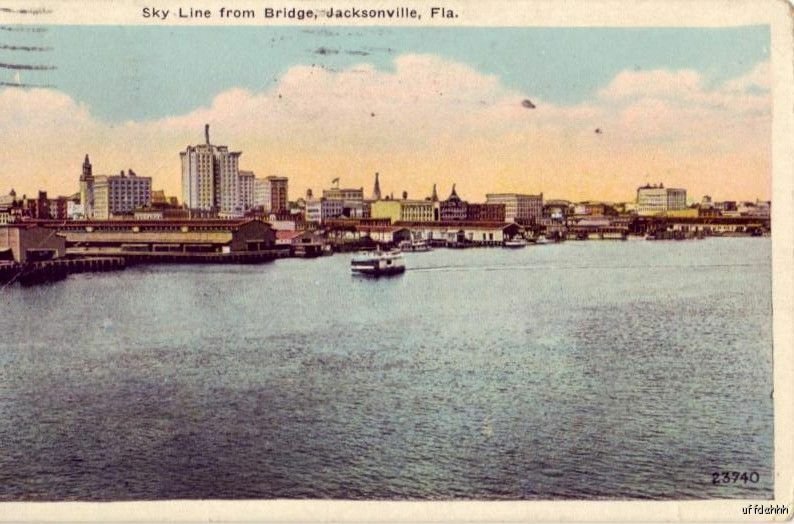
[453, 208]
[211, 178]
[87, 189]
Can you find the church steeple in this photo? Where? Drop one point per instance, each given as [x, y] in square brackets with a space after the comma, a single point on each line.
[376, 189]
[453, 196]
[87, 170]
[434, 196]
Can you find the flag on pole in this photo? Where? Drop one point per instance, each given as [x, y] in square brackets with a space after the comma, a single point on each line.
[335, 181]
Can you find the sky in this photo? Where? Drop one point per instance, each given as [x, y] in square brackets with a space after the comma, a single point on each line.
[614, 108]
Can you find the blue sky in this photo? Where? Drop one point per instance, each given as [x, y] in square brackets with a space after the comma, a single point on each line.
[143, 73]
[690, 107]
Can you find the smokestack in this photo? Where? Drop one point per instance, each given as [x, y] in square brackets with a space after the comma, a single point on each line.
[207, 133]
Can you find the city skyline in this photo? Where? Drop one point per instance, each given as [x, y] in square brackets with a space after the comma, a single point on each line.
[337, 105]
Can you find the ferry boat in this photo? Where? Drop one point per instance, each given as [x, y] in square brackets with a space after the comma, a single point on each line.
[515, 243]
[414, 245]
[378, 263]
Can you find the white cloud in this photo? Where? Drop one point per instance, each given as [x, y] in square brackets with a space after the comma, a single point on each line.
[757, 80]
[628, 85]
[427, 120]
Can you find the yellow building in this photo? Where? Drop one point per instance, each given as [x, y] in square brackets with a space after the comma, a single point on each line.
[404, 210]
[682, 213]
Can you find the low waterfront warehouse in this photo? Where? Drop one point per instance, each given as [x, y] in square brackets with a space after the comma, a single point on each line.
[29, 242]
[475, 233]
[170, 236]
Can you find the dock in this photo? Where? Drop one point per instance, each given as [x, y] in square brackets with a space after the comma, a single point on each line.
[43, 271]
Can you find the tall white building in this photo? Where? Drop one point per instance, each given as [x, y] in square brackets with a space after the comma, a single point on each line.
[260, 191]
[270, 193]
[676, 199]
[247, 179]
[211, 178]
[655, 199]
[120, 194]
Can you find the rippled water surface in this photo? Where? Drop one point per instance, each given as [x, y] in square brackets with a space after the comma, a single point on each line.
[589, 370]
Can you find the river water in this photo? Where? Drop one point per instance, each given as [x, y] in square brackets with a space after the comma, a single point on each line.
[582, 370]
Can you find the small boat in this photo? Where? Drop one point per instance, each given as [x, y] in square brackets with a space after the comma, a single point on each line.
[542, 240]
[414, 245]
[515, 243]
[378, 263]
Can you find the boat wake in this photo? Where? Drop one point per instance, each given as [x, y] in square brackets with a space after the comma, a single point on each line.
[577, 267]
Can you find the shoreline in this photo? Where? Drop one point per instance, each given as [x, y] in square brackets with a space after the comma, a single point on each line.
[47, 271]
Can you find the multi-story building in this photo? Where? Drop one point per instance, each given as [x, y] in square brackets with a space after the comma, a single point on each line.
[270, 194]
[337, 193]
[352, 200]
[590, 208]
[518, 207]
[557, 210]
[59, 208]
[159, 199]
[211, 178]
[676, 199]
[651, 200]
[403, 210]
[121, 194]
[9, 199]
[727, 208]
[321, 209]
[656, 199]
[74, 209]
[247, 179]
[485, 212]
[6, 217]
[260, 192]
[759, 208]
[37, 207]
[453, 208]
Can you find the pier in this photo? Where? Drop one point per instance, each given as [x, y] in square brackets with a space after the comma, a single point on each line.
[239, 257]
[39, 272]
